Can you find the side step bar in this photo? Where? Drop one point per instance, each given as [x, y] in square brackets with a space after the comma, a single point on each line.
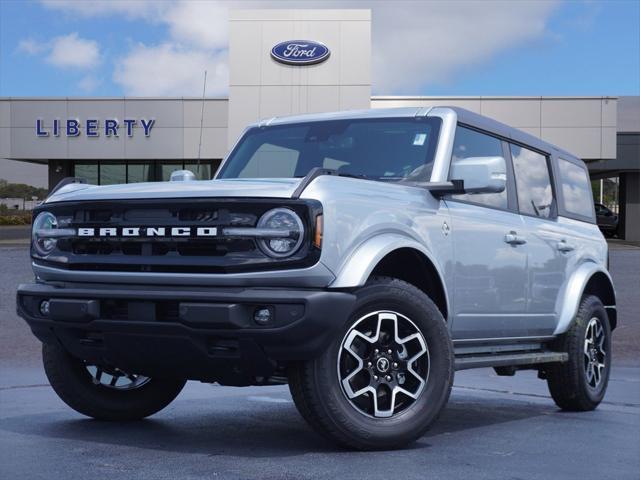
[509, 360]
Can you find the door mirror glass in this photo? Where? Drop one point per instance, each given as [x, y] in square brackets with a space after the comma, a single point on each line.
[481, 174]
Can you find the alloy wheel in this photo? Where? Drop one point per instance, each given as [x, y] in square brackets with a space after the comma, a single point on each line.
[115, 378]
[594, 353]
[383, 364]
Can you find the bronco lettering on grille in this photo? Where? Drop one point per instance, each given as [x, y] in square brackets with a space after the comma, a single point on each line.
[148, 232]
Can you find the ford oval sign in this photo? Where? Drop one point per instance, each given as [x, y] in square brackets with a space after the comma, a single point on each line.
[300, 52]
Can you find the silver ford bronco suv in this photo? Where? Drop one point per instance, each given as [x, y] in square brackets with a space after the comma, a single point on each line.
[360, 257]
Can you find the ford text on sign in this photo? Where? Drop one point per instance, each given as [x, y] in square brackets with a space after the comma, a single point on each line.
[300, 52]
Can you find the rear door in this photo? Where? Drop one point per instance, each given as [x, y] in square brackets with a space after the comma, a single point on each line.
[490, 259]
[548, 246]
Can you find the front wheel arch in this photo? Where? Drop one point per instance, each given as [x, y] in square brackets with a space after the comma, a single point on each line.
[376, 257]
[415, 268]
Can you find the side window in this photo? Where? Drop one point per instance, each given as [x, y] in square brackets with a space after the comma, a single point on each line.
[576, 189]
[533, 182]
[280, 162]
[469, 143]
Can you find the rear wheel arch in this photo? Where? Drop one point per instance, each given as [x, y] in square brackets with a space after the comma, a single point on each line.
[600, 285]
[589, 278]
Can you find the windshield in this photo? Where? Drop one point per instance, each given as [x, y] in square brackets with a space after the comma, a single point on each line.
[391, 150]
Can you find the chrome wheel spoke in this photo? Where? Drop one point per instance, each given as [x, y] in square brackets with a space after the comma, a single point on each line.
[594, 352]
[589, 373]
[115, 378]
[383, 364]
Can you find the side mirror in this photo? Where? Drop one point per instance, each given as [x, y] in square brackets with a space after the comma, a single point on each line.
[182, 176]
[481, 174]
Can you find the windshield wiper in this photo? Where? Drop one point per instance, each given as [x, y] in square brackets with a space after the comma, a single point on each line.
[353, 175]
[437, 189]
[330, 171]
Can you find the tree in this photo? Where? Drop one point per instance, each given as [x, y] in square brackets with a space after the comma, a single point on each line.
[20, 190]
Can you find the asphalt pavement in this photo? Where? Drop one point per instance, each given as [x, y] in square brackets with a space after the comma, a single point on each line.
[15, 233]
[493, 427]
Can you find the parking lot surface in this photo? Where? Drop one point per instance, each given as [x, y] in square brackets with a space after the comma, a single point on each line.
[493, 428]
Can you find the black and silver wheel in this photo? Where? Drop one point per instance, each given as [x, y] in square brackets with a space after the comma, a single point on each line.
[386, 377]
[106, 393]
[595, 355]
[383, 364]
[115, 378]
[581, 383]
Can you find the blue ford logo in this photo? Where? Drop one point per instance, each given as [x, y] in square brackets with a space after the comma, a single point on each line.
[300, 52]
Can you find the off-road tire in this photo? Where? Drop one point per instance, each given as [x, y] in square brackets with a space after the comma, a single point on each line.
[74, 385]
[318, 394]
[567, 381]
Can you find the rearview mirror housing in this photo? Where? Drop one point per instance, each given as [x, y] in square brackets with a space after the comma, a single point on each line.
[480, 174]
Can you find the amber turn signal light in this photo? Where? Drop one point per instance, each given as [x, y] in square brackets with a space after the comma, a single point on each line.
[317, 238]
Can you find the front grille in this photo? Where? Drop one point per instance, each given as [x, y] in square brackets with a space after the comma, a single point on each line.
[194, 247]
[170, 254]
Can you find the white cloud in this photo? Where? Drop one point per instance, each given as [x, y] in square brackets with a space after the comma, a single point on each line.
[415, 44]
[168, 70]
[202, 24]
[31, 46]
[89, 83]
[131, 9]
[418, 44]
[73, 51]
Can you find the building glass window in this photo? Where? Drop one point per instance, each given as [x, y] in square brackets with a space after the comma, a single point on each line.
[606, 192]
[203, 172]
[113, 173]
[533, 182]
[140, 172]
[167, 168]
[470, 143]
[87, 170]
[107, 172]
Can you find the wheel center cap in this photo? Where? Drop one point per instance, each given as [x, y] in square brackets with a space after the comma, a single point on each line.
[382, 364]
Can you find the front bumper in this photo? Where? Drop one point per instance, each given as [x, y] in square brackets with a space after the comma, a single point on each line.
[197, 333]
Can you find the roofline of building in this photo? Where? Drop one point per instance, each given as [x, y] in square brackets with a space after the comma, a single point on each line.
[97, 99]
[492, 97]
[373, 97]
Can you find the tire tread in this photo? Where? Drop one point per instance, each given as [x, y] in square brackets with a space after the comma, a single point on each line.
[326, 418]
[564, 380]
[65, 376]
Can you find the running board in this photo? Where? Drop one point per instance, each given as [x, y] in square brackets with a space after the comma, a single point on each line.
[509, 360]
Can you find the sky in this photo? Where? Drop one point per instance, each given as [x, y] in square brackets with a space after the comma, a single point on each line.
[106, 48]
[160, 48]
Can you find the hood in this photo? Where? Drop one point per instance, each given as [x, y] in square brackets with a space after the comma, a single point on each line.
[265, 188]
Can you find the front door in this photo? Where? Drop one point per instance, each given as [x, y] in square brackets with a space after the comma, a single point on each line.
[489, 274]
[490, 253]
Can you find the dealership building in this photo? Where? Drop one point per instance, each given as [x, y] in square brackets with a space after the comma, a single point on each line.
[283, 62]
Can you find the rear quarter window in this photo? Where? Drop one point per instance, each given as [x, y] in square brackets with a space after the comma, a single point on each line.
[533, 182]
[576, 189]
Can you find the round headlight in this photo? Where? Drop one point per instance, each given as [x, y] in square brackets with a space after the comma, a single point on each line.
[292, 228]
[44, 221]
